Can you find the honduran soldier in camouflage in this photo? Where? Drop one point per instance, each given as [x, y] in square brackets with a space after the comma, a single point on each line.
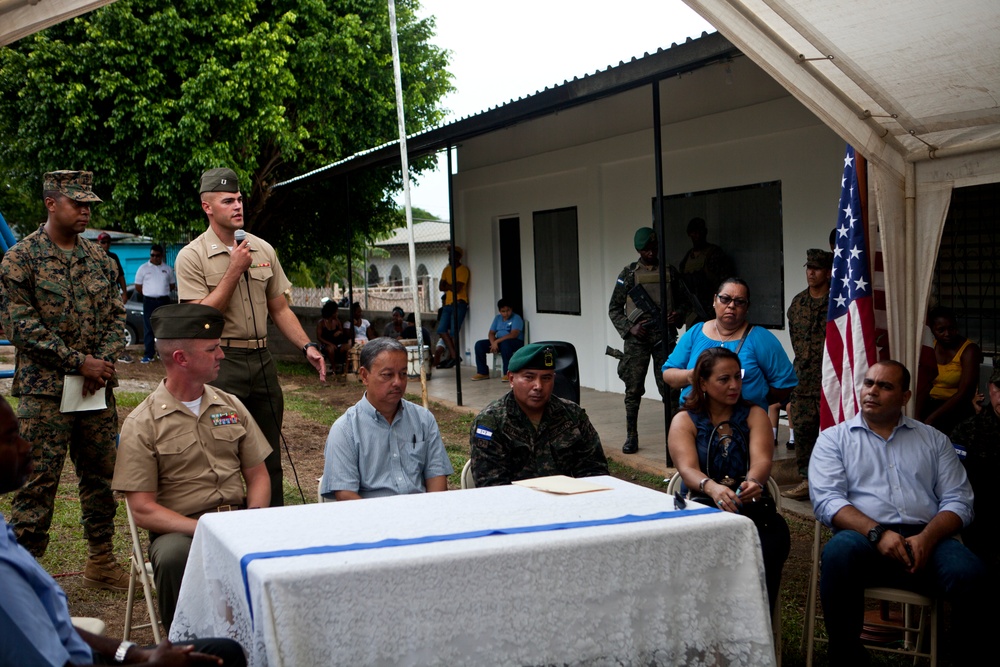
[62, 311]
[641, 330]
[807, 329]
[530, 433]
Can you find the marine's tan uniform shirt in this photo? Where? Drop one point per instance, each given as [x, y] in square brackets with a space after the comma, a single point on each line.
[192, 464]
[200, 266]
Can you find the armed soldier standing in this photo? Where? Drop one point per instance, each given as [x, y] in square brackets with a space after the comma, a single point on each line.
[807, 329]
[635, 311]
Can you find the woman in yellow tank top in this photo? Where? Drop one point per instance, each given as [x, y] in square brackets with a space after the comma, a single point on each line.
[950, 399]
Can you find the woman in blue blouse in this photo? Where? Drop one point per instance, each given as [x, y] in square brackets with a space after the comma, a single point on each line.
[768, 376]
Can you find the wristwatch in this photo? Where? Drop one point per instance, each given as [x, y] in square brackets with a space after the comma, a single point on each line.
[122, 650]
[875, 534]
[305, 348]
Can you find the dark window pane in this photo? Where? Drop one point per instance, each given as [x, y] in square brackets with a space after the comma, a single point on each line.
[557, 262]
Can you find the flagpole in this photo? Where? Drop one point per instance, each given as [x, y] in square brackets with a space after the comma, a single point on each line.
[397, 76]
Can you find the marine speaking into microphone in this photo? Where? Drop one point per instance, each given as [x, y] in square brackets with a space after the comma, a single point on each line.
[208, 272]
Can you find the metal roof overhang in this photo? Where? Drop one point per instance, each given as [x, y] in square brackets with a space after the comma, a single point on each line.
[691, 55]
[20, 18]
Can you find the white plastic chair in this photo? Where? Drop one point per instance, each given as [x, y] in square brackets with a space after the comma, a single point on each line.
[94, 626]
[467, 480]
[674, 485]
[319, 492]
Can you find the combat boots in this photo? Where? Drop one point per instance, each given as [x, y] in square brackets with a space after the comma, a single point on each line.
[631, 445]
[103, 571]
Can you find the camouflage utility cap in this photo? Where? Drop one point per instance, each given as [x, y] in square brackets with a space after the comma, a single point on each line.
[75, 185]
[537, 357]
[220, 180]
[819, 259]
[643, 237]
[186, 320]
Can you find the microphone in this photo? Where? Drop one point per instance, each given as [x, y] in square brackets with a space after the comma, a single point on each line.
[239, 236]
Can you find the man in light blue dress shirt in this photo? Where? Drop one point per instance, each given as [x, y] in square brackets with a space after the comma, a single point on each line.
[895, 494]
[384, 445]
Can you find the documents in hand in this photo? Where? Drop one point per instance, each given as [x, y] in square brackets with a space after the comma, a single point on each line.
[73, 399]
[561, 485]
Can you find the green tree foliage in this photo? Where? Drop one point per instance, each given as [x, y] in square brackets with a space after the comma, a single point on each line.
[150, 93]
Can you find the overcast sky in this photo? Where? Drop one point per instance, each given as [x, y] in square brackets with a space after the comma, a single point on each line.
[504, 50]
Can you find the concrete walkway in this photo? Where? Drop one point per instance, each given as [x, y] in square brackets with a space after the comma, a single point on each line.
[607, 413]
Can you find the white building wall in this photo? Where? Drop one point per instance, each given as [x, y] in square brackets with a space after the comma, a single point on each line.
[611, 183]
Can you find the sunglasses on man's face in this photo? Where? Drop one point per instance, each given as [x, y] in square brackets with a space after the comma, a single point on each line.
[725, 300]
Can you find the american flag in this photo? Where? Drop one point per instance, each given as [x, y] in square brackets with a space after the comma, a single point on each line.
[850, 323]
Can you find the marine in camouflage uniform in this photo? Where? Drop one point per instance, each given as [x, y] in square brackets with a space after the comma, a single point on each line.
[530, 433]
[978, 438]
[807, 329]
[642, 333]
[62, 310]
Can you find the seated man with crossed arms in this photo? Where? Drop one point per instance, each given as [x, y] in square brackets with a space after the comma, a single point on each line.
[188, 448]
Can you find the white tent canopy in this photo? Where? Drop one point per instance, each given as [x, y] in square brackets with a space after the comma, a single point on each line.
[20, 18]
[914, 87]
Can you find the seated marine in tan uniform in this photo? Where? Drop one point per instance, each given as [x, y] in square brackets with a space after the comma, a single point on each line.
[188, 448]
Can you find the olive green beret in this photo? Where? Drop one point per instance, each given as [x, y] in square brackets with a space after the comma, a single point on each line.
[643, 236]
[220, 180]
[820, 259]
[75, 185]
[537, 357]
[186, 320]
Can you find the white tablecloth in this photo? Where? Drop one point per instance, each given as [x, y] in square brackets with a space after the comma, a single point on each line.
[683, 590]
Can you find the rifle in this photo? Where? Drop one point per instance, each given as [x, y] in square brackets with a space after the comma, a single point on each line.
[645, 308]
[693, 300]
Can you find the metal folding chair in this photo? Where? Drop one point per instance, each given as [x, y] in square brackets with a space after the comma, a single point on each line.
[913, 635]
[139, 569]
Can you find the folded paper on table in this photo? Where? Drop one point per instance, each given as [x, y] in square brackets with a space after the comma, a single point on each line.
[561, 485]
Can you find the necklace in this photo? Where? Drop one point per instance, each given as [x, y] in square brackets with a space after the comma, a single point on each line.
[725, 338]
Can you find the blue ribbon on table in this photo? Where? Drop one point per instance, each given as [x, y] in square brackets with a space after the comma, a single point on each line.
[451, 537]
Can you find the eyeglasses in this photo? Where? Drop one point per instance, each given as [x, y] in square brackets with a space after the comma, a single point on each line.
[725, 300]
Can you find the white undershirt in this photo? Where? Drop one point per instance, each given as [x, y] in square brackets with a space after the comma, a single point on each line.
[194, 406]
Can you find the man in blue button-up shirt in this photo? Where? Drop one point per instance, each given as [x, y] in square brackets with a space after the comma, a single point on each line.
[384, 445]
[895, 494]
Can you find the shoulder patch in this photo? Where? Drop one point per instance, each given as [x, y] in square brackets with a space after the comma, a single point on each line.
[483, 433]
